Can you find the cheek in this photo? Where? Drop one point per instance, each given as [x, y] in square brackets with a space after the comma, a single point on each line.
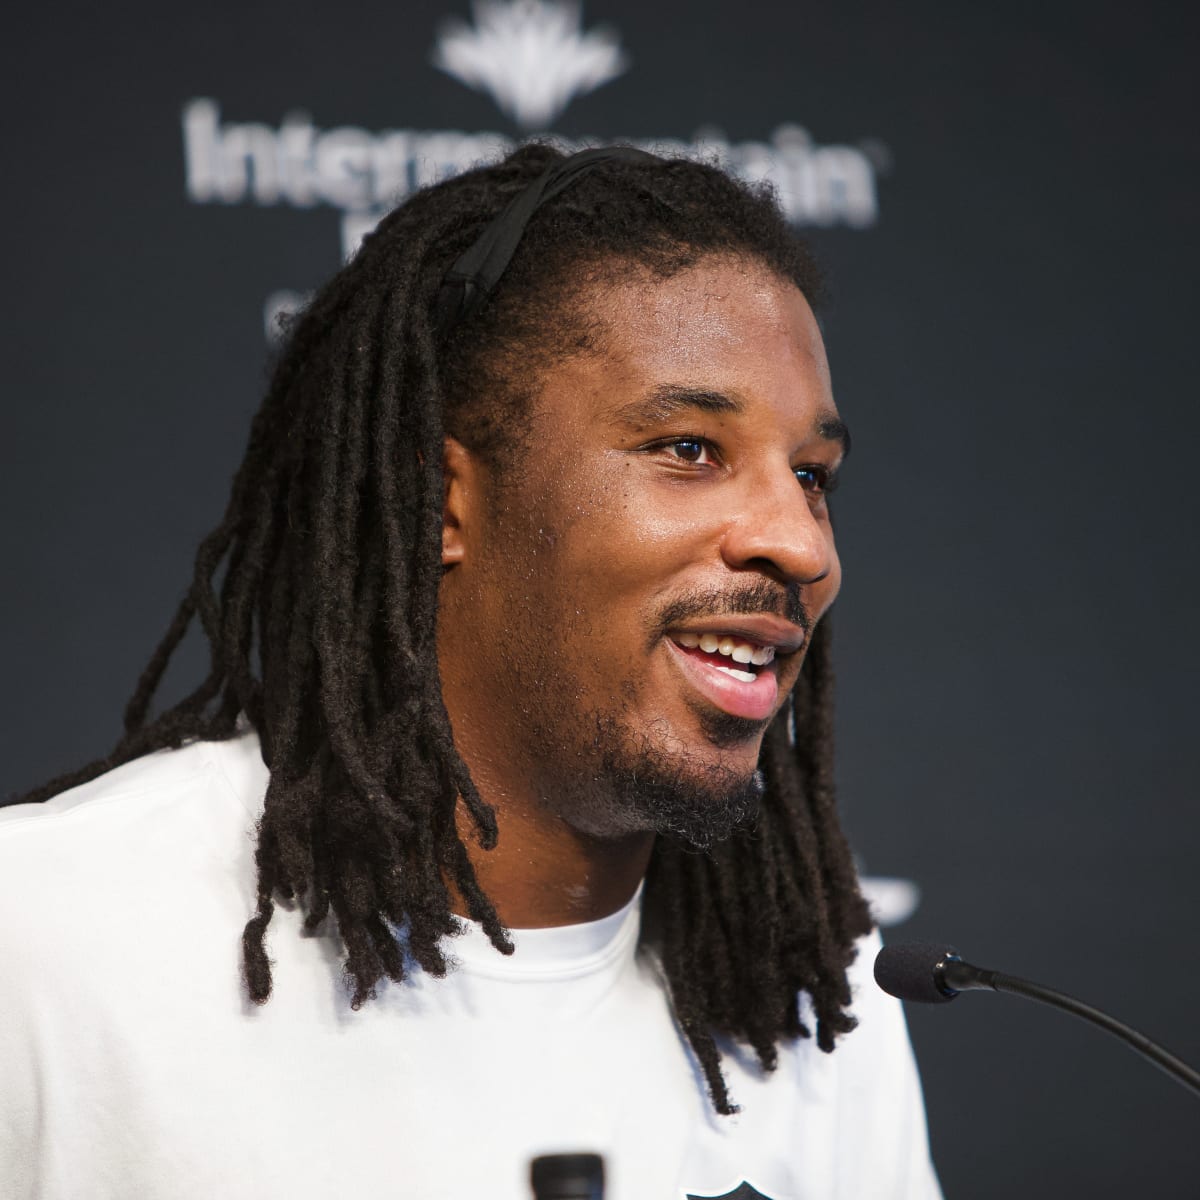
[624, 562]
[599, 538]
[547, 560]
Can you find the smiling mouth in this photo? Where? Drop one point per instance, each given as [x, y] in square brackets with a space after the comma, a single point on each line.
[740, 659]
[732, 673]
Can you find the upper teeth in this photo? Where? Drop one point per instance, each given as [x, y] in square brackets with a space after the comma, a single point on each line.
[739, 651]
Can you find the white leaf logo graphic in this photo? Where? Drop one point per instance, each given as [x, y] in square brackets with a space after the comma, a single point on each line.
[531, 56]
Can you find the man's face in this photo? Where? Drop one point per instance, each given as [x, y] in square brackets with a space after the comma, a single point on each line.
[633, 598]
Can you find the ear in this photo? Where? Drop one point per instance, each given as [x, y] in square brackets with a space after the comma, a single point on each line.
[459, 491]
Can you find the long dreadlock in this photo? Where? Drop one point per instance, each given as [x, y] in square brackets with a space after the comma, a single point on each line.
[322, 631]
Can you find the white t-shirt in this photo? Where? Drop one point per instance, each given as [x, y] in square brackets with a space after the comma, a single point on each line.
[132, 1065]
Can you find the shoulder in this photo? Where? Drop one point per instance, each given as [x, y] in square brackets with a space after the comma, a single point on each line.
[881, 1110]
[852, 1121]
[152, 826]
[121, 905]
[157, 785]
[155, 780]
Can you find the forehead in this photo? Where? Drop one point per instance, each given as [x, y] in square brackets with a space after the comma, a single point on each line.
[724, 325]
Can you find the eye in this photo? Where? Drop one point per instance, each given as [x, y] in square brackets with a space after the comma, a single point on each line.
[692, 450]
[816, 480]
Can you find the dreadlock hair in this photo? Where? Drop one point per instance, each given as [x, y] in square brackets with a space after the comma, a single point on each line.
[322, 628]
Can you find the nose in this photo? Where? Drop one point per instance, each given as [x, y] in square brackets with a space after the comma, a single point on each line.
[779, 531]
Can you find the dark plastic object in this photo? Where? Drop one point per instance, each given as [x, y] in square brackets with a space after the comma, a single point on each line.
[567, 1177]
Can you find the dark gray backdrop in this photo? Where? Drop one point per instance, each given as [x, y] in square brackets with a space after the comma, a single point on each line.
[1012, 343]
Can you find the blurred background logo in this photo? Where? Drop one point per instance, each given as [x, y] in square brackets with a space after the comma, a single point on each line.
[531, 56]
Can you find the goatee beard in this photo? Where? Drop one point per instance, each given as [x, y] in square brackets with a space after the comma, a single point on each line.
[643, 788]
[678, 808]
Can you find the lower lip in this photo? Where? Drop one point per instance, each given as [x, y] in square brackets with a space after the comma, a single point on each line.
[754, 701]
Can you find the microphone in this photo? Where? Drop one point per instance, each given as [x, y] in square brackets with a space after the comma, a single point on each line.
[567, 1177]
[933, 973]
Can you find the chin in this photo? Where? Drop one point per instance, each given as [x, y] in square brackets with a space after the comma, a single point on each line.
[696, 798]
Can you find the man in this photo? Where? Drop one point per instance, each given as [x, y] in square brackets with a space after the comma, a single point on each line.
[518, 665]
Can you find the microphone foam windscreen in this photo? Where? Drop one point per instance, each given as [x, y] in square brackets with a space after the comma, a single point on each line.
[908, 971]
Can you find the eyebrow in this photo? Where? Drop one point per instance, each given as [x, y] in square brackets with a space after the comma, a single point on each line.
[834, 429]
[672, 400]
[669, 401]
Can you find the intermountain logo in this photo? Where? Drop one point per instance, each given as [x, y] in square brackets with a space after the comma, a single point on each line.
[531, 56]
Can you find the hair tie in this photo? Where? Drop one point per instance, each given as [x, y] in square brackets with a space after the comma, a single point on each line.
[469, 282]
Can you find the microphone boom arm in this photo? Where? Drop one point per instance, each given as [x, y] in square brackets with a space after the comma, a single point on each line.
[953, 975]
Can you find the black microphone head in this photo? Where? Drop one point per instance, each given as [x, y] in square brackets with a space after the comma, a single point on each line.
[567, 1177]
[908, 971]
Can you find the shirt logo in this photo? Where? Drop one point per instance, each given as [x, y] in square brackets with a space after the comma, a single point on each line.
[743, 1191]
[531, 56]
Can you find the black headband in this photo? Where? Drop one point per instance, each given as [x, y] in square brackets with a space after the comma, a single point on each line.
[471, 279]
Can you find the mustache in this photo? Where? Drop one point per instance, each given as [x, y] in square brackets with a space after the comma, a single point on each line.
[746, 599]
